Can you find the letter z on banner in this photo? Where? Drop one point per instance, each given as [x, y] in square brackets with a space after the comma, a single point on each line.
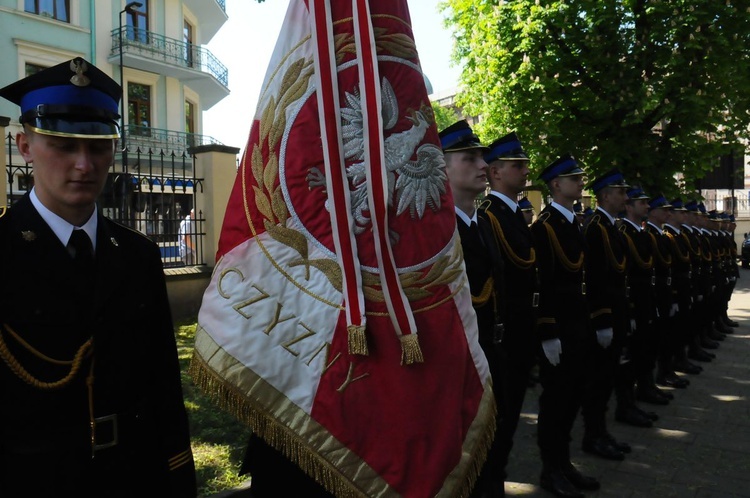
[338, 320]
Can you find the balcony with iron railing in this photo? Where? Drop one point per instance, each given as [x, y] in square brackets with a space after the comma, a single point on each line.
[211, 13]
[167, 142]
[192, 64]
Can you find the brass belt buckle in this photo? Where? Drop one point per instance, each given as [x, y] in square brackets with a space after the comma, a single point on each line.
[627, 291]
[115, 438]
[653, 280]
[669, 280]
[583, 288]
[535, 300]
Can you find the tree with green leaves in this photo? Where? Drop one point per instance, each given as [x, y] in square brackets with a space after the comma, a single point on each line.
[653, 87]
[444, 116]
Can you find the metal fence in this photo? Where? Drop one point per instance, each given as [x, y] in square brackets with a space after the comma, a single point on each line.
[150, 190]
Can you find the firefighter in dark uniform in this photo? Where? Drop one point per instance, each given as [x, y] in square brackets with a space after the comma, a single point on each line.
[646, 389]
[700, 269]
[90, 395]
[467, 175]
[675, 355]
[508, 170]
[711, 255]
[733, 273]
[641, 346]
[606, 280]
[562, 327]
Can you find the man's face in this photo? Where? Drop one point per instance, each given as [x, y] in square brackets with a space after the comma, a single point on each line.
[467, 171]
[510, 175]
[570, 188]
[638, 208]
[614, 200]
[69, 173]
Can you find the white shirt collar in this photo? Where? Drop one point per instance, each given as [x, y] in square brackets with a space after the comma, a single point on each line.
[513, 205]
[59, 226]
[677, 230]
[611, 219]
[569, 215]
[465, 217]
[658, 229]
[637, 227]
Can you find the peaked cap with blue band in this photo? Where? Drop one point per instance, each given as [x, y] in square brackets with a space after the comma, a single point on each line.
[677, 205]
[635, 193]
[73, 99]
[460, 136]
[564, 166]
[507, 148]
[659, 201]
[612, 178]
[525, 205]
[692, 206]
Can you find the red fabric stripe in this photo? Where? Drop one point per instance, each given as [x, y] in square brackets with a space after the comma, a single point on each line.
[335, 167]
[369, 85]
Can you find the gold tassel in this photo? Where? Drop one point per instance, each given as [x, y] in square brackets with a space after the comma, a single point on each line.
[410, 350]
[357, 340]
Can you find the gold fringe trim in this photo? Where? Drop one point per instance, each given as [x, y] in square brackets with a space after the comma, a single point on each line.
[482, 448]
[410, 350]
[357, 340]
[230, 400]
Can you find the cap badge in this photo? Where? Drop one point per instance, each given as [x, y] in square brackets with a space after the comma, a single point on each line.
[28, 236]
[79, 67]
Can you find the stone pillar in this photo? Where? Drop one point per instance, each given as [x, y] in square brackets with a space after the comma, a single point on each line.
[217, 165]
[4, 122]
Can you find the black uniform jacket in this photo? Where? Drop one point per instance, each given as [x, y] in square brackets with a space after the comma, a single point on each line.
[521, 283]
[484, 267]
[641, 272]
[682, 269]
[606, 274]
[662, 253]
[563, 309]
[114, 332]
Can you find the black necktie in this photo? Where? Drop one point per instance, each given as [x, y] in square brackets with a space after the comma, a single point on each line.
[476, 233]
[520, 216]
[80, 248]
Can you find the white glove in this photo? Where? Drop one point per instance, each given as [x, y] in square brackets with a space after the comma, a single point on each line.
[673, 311]
[604, 337]
[552, 350]
[632, 324]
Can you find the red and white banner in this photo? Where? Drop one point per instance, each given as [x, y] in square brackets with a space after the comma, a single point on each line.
[338, 320]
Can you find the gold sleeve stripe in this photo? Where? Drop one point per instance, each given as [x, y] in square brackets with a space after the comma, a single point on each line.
[180, 459]
[603, 311]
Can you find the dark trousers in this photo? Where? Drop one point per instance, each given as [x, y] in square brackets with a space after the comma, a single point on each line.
[518, 359]
[273, 475]
[603, 366]
[562, 391]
